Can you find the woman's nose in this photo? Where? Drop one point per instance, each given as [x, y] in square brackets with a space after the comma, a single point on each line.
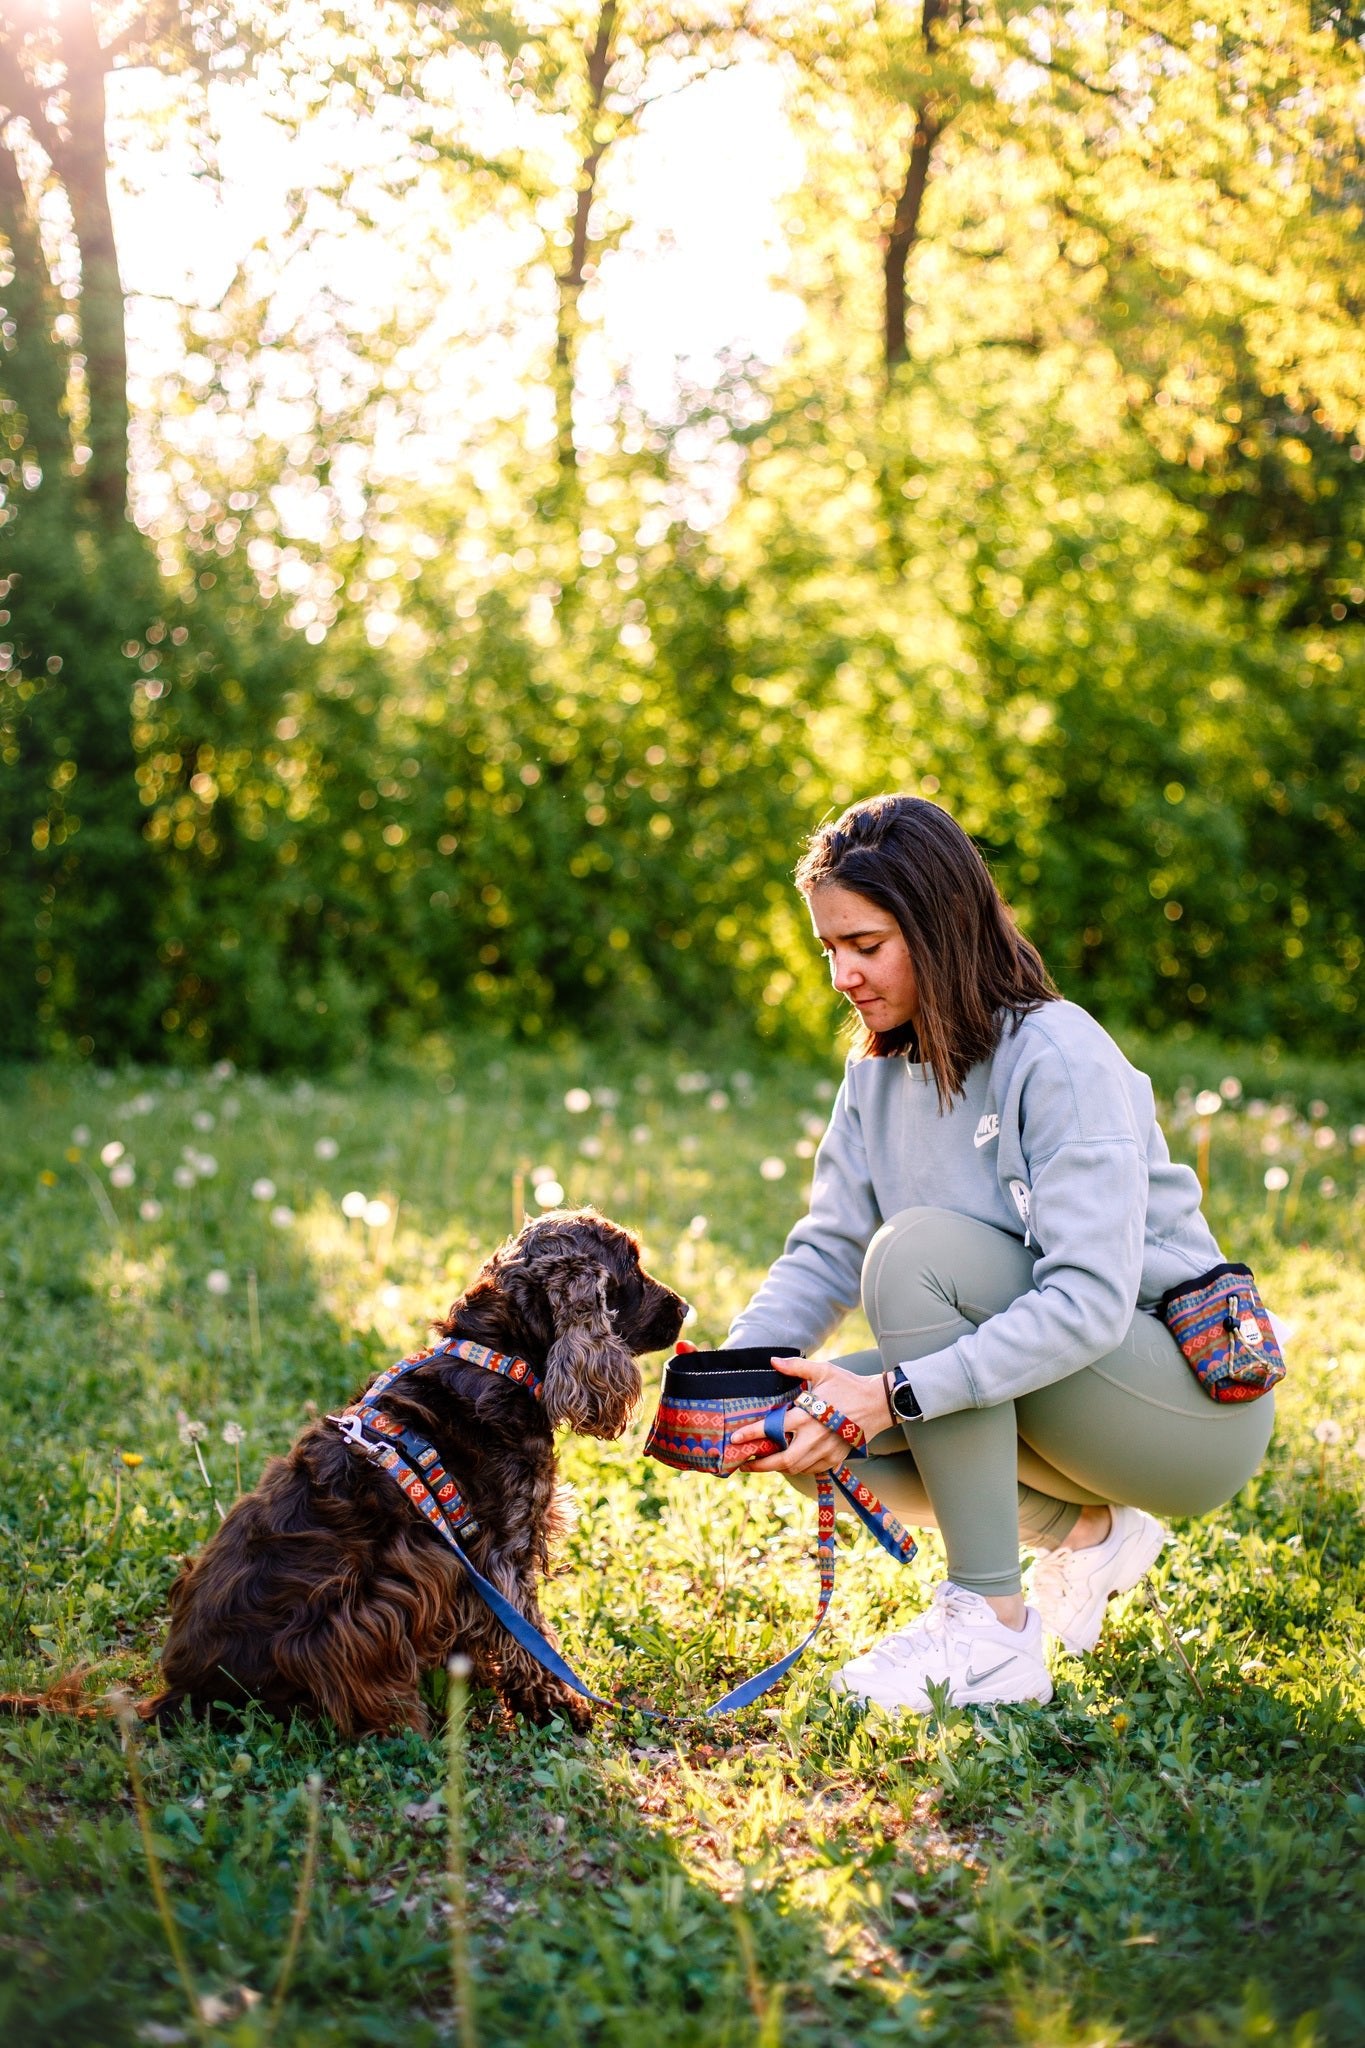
[846, 976]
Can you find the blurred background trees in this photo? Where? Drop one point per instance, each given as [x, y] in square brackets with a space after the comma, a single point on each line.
[379, 653]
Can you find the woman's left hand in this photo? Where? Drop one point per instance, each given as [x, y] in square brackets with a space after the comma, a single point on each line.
[810, 1446]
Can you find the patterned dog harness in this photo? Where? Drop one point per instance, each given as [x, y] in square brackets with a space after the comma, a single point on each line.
[408, 1458]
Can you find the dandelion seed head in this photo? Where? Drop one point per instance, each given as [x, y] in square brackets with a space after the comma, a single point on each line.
[81, 1135]
[1207, 1102]
[772, 1168]
[1324, 1137]
[804, 1148]
[1328, 1431]
[353, 1204]
[591, 1148]
[641, 1134]
[218, 1282]
[191, 1432]
[1358, 1134]
[263, 1190]
[718, 1099]
[203, 1120]
[1327, 1187]
[184, 1176]
[549, 1194]
[690, 1084]
[697, 1227]
[825, 1091]
[123, 1175]
[223, 1070]
[578, 1101]
[111, 1152]
[377, 1214]
[606, 1098]
[205, 1165]
[741, 1082]
[1317, 1109]
[233, 1433]
[689, 1144]
[1275, 1179]
[391, 1295]
[326, 1148]
[282, 1216]
[1230, 1088]
[150, 1209]
[540, 1173]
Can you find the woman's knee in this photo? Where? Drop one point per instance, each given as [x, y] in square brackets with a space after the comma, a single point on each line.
[938, 1270]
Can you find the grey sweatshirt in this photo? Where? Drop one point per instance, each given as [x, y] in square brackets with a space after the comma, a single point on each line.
[1055, 1141]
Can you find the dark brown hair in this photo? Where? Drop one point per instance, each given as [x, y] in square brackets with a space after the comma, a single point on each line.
[975, 969]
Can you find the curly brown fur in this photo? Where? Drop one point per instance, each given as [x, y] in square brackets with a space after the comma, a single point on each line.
[325, 1593]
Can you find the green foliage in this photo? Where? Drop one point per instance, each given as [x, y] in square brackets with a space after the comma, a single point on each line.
[1172, 1852]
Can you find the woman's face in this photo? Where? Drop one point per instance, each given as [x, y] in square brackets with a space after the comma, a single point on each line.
[869, 960]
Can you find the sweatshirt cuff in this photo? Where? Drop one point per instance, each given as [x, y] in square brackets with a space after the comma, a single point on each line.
[941, 1382]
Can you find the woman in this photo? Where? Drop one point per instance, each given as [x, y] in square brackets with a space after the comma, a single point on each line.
[996, 1186]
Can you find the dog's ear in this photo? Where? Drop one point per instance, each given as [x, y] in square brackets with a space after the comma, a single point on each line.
[592, 1382]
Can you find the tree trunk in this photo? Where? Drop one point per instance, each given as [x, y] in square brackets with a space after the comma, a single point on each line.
[34, 367]
[571, 277]
[901, 240]
[85, 174]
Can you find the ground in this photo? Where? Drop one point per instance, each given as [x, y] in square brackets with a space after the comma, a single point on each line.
[1169, 1853]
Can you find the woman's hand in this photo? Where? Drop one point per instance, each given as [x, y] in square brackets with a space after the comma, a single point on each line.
[811, 1447]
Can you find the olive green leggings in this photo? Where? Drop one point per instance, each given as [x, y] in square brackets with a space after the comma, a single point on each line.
[1134, 1427]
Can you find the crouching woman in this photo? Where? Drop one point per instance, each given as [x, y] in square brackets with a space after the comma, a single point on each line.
[995, 1186]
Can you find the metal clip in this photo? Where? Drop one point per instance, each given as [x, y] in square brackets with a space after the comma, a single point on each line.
[353, 1433]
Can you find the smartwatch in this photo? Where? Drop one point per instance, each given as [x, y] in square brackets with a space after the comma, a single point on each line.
[901, 1397]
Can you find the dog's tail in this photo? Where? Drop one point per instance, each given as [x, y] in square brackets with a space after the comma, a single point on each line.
[68, 1695]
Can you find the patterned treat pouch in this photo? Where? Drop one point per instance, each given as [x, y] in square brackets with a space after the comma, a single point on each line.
[1222, 1326]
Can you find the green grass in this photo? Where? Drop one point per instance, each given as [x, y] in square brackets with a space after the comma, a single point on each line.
[1170, 1853]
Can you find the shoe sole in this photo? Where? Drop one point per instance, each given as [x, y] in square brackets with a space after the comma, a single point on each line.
[1132, 1564]
[1025, 1696]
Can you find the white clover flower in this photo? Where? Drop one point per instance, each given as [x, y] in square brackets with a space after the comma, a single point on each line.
[591, 1148]
[81, 1135]
[217, 1281]
[184, 1176]
[772, 1168]
[149, 1210]
[282, 1216]
[263, 1190]
[1207, 1102]
[549, 1194]
[577, 1101]
[377, 1214]
[123, 1175]
[203, 1119]
[353, 1204]
[1275, 1179]
[326, 1148]
[1230, 1088]
[233, 1433]
[111, 1152]
[1328, 1432]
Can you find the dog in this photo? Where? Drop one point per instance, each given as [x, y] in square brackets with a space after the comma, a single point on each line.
[326, 1594]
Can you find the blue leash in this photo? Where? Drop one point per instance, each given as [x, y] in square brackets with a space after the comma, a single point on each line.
[413, 1464]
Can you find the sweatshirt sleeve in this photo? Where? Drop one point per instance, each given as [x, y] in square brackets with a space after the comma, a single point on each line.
[818, 1278]
[1088, 1201]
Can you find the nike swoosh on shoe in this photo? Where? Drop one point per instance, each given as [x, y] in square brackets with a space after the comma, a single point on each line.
[980, 1677]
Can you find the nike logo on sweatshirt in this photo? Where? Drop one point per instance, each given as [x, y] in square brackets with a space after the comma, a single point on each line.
[988, 1128]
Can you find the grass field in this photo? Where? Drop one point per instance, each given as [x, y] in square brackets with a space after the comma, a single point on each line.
[1172, 1852]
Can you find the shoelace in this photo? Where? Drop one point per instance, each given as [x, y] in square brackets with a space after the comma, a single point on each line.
[950, 1604]
[1057, 1576]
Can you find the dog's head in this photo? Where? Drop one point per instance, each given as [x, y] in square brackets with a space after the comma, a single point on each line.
[573, 1292]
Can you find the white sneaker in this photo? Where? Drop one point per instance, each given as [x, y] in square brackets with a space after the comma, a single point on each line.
[1071, 1588]
[957, 1642]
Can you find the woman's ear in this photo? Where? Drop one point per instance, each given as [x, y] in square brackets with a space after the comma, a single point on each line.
[592, 1382]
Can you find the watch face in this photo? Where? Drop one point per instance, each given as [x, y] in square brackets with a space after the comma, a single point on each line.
[903, 1401]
